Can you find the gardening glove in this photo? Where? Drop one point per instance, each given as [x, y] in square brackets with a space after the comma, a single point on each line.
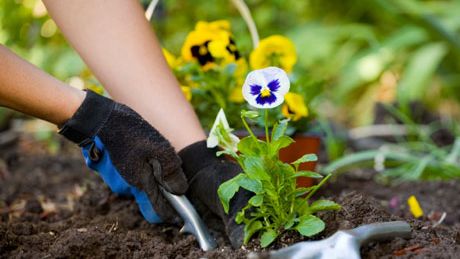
[131, 156]
[206, 173]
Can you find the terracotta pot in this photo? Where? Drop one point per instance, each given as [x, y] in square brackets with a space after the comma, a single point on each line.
[304, 144]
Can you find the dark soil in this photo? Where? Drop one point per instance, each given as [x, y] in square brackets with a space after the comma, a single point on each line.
[53, 207]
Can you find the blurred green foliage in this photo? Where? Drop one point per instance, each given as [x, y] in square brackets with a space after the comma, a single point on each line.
[351, 53]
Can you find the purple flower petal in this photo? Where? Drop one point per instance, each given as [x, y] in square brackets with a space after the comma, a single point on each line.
[255, 89]
[274, 85]
[264, 100]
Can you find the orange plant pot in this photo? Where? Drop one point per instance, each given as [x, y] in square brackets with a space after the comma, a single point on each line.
[304, 144]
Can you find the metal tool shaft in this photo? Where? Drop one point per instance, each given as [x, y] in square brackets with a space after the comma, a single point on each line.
[381, 231]
[344, 243]
[192, 221]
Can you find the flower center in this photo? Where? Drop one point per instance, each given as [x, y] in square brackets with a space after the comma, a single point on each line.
[265, 92]
[203, 51]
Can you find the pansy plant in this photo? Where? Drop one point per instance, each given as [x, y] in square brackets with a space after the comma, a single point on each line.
[278, 205]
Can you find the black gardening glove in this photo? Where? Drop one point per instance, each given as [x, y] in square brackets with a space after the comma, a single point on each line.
[131, 156]
[206, 173]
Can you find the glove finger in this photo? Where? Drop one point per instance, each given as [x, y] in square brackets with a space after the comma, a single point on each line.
[235, 233]
[159, 203]
[173, 181]
[166, 212]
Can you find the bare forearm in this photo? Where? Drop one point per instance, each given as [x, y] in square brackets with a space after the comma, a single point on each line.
[116, 41]
[27, 89]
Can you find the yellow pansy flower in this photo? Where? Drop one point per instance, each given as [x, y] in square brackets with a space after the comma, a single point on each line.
[414, 207]
[213, 26]
[276, 51]
[187, 92]
[209, 43]
[170, 59]
[294, 107]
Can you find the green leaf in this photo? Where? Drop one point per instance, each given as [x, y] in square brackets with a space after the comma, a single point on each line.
[252, 185]
[276, 145]
[227, 190]
[310, 225]
[268, 237]
[249, 146]
[290, 222]
[239, 217]
[323, 205]
[254, 167]
[226, 152]
[279, 129]
[303, 190]
[420, 70]
[305, 158]
[256, 200]
[249, 114]
[250, 229]
[307, 174]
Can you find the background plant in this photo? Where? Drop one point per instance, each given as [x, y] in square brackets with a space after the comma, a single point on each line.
[350, 54]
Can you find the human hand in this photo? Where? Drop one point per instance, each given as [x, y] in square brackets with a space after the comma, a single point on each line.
[206, 173]
[131, 156]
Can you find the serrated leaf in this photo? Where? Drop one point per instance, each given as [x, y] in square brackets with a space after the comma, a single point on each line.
[279, 129]
[310, 225]
[254, 167]
[227, 190]
[256, 200]
[307, 174]
[252, 185]
[250, 229]
[305, 158]
[268, 237]
[323, 205]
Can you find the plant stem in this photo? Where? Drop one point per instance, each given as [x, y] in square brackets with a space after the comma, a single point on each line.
[266, 126]
[248, 129]
[318, 186]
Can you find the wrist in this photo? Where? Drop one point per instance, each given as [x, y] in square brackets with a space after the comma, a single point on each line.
[87, 119]
[73, 101]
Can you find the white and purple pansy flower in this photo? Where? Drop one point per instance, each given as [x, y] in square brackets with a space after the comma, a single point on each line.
[265, 88]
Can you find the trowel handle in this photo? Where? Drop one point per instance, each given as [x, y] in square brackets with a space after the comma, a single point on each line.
[381, 231]
[192, 221]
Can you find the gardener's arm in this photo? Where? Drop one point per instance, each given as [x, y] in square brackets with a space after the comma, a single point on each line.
[25, 88]
[131, 156]
[116, 41]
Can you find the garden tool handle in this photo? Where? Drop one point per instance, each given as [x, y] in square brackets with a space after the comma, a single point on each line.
[192, 221]
[381, 231]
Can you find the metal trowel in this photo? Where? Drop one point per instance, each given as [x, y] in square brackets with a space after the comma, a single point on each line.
[343, 244]
[192, 221]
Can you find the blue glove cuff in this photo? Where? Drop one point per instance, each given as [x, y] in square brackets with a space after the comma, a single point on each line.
[116, 183]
